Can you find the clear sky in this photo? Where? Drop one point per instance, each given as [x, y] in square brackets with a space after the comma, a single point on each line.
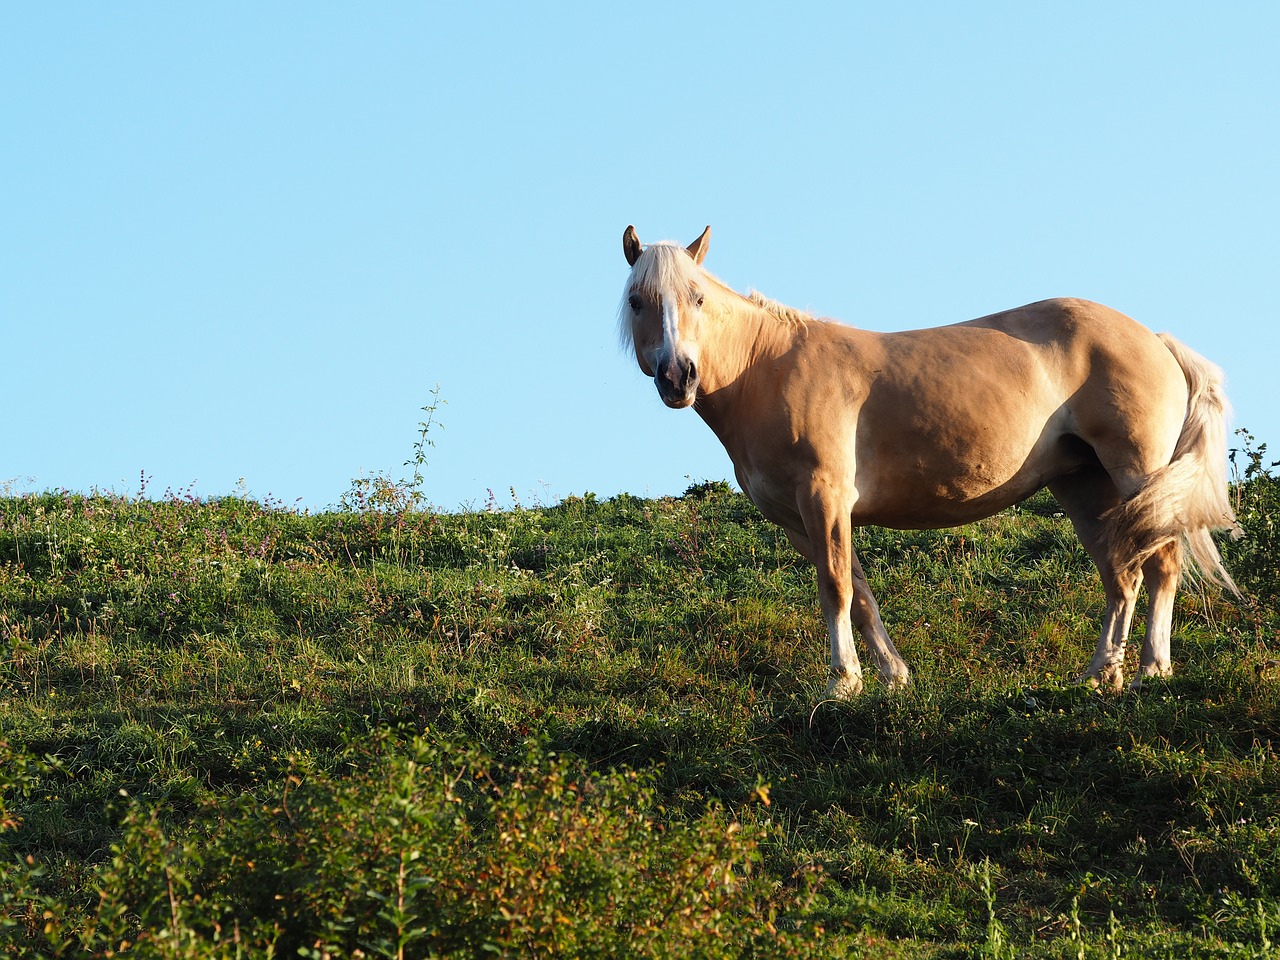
[246, 240]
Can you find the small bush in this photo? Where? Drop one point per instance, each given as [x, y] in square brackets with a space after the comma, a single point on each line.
[430, 851]
[1254, 560]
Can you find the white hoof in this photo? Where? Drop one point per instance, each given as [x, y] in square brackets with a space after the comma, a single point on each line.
[844, 686]
[898, 681]
[1110, 677]
[1150, 672]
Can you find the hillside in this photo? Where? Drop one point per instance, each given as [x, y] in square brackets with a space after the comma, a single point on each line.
[227, 729]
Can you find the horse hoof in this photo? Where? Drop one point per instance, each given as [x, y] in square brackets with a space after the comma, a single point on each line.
[1110, 679]
[843, 687]
[1150, 673]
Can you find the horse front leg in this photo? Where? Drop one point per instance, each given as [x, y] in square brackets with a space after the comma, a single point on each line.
[866, 616]
[831, 558]
[846, 601]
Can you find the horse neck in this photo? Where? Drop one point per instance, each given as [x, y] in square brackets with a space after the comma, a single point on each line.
[734, 342]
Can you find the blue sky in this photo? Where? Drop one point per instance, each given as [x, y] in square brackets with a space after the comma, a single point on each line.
[247, 240]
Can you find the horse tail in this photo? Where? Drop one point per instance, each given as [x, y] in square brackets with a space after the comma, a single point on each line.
[1187, 499]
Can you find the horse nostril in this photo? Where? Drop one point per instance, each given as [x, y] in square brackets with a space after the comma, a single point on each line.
[693, 371]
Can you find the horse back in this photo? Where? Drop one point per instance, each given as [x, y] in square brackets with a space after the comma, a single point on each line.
[944, 425]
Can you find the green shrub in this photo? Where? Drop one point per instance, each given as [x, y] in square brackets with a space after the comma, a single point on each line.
[1254, 559]
[428, 850]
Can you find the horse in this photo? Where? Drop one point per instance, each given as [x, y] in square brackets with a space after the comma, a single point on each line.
[831, 427]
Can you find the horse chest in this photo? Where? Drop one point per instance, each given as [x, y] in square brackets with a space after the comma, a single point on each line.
[776, 501]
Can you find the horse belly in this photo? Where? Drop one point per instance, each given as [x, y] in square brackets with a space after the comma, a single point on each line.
[956, 469]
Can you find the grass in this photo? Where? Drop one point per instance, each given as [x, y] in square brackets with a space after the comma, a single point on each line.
[592, 729]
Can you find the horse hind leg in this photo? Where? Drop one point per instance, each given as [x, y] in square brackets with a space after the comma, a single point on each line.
[1146, 529]
[1086, 497]
[1161, 571]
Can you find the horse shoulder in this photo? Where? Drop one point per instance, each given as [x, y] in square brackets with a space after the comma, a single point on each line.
[833, 354]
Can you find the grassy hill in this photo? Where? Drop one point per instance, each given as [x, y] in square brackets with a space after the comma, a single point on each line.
[592, 729]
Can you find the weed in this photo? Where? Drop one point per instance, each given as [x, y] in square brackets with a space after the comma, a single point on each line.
[995, 943]
[419, 459]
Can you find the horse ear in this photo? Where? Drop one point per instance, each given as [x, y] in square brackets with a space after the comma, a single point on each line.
[698, 249]
[631, 246]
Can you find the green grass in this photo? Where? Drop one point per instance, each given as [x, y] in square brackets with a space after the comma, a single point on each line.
[593, 729]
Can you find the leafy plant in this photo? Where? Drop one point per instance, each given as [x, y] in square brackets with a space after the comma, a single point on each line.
[1255, 559]
[379, 492]
[432, 850]
[419, 459]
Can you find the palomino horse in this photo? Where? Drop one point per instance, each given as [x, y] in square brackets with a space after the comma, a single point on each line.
[830, 427]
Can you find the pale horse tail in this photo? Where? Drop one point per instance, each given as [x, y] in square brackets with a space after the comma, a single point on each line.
[1187, 499]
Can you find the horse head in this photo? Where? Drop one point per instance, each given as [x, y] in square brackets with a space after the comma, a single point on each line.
[661, 312]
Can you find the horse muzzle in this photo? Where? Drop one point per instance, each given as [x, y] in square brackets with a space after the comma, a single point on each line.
[677, 383]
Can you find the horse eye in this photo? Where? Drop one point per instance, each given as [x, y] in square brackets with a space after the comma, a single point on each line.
[699, 301]
[635, 303]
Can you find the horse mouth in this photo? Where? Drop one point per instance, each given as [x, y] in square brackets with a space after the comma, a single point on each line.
[677, 399]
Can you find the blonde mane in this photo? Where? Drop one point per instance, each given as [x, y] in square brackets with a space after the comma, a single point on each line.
[666, 266]
[784, 313]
